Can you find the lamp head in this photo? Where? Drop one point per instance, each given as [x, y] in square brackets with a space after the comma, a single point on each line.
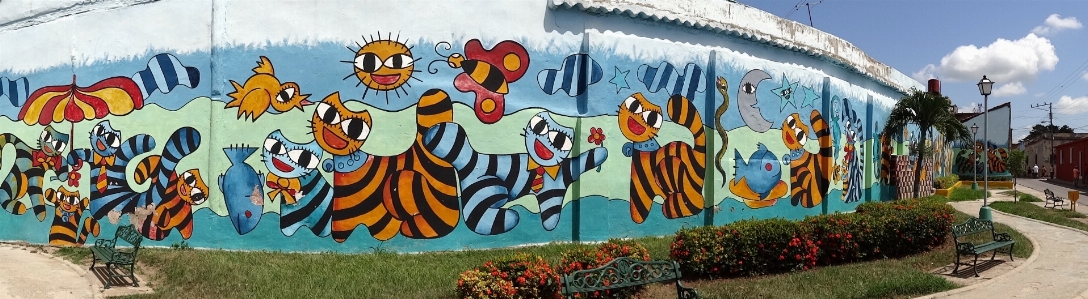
[984, 85]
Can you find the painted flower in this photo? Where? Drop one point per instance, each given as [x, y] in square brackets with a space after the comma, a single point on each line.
[596, 135]
[73, 178]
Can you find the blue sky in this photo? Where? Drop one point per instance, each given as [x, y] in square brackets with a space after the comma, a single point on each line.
[1036, 51]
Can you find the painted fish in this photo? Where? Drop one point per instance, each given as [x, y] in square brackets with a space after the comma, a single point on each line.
[758, 181]
[240, 184]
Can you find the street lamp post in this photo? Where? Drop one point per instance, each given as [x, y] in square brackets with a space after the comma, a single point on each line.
[974, 133]
[984, 86]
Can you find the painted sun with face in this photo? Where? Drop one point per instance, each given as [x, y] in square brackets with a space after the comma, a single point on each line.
[383, 65]
[336, 129]
[794, 132]
[639, 119]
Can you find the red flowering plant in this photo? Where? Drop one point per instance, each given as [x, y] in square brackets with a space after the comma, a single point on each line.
[745, 248]
[519, 276]
[588, 257]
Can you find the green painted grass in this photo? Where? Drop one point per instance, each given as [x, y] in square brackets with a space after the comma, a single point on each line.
[187, 273]
[1030, 210]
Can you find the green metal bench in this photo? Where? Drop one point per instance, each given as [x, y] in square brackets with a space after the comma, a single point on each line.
[975, 226]
[107, 251]
[625, 272]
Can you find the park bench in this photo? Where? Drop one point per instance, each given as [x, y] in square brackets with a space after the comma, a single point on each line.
[625, 272]
[1052, 201]
[107, 251]
[964, 247]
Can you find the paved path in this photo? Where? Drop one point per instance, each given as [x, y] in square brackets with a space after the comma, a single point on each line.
[1060, 271]
[24, 274]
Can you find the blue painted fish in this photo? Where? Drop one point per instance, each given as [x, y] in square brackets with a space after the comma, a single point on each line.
[242, 190]
[758, 181]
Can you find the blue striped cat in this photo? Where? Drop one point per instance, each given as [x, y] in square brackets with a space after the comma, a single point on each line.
[490, 181]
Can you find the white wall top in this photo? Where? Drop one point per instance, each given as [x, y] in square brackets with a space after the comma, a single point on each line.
[753, 24]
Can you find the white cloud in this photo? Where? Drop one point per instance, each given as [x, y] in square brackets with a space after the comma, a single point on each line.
[1070, 105]
[1055, 23]
[970, 108]
[1003, 61]
[1011, 89]
[1085, 77]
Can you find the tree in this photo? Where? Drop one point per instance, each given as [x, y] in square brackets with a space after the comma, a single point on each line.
[1043, 131]
[1017, 164]
[927, 111]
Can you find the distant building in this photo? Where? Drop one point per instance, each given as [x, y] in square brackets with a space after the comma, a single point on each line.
[1070, 154]
[1039, 148]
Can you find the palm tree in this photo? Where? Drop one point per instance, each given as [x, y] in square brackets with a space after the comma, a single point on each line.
[927, 111]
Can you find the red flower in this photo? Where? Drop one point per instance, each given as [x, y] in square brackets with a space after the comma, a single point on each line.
[596, 135]
[73, 178]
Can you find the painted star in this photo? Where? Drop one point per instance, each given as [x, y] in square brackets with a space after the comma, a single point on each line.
[810, 97]
[620, 81]
[786, 92]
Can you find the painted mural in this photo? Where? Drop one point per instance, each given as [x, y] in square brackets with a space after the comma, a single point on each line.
[307, 147]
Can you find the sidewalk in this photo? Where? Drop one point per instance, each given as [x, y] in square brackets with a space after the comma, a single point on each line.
[1059, 270]
[28, 273]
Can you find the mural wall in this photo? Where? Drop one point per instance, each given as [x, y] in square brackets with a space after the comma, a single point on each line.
[344, 126]
[991, 147]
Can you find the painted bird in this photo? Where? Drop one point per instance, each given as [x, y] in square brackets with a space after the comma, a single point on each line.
[263, 91]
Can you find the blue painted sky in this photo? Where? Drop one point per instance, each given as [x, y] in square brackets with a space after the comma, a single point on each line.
[1036, 51]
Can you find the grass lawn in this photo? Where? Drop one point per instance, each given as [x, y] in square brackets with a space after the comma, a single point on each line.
[186, 273]
[1030, 210]
[1021, 196]
[965, 194]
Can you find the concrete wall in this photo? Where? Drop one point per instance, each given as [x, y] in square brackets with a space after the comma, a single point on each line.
[425, 125]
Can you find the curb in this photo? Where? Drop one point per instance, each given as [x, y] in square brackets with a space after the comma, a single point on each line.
[1031, 259]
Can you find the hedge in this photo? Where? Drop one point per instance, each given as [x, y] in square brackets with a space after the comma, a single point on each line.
[759, 247]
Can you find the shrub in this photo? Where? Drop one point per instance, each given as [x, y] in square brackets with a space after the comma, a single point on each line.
[757, 247]
[909, 226]
[592, 257]
[746, 247]
[945, 182]
[519, 276]
[843, 238]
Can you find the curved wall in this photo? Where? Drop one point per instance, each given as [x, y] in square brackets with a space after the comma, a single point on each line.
[427, 125]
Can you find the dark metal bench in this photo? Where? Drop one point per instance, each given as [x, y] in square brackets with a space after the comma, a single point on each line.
[1053, 201]
[625, 272]
[974, 226]
[107, 251]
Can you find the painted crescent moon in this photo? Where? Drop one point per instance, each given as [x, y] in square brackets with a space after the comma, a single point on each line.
[746, 100]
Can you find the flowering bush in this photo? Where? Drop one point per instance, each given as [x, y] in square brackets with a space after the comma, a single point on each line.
[746, 247]
[909, 226]
[590, 257]
[476, 284]
[519, 276]
[757, 247]
[843, 238]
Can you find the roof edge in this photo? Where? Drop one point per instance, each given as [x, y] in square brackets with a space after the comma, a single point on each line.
[721, 16]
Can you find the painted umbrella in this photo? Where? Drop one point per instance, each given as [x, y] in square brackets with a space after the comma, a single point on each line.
[55, 104]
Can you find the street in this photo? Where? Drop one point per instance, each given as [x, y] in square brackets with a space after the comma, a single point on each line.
[1059, 189]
